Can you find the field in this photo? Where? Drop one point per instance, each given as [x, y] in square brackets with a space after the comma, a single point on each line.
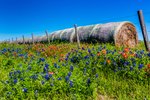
[64, 72]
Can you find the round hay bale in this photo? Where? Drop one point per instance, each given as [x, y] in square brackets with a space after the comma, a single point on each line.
[120, 33]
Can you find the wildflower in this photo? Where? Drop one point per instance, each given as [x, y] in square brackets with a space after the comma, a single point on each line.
[69, 74]
[126, 50]
[71, 68]
[59, 78]
[83, 48]
[96, 75]
[89, 50]
[46, 77]
[15, 81]
[71, 83]
[88, 81]
[42, 59]
[131, 68]
[87, 63]
[98, 53]
[51, 73]
[104, 51]
[108, 61]
[25, 90]
[67, 78]
[148, 54]
[140, 66]
[148, 66]
[42, 82]
[124, 55]
[86, 57]
[46, 65]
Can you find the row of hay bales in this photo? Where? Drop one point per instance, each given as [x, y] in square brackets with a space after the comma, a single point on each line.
[121, 33]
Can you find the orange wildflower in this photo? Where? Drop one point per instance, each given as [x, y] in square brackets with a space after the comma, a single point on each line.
[104, 51]
[124, 55]
[98, 54]
[148, 65]
[108, 61]
[51, 73]
[126, 50]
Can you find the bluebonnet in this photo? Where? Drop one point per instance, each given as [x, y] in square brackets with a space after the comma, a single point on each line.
[71, 68]
[67, 78]
[20, 55]
[87, 63]
[69, 74]
[25, 90]
[42, 82]
[88, 81]
[15, 81]
[142, 52]
[71, 83]
[86, 57]
[83, 48]
[42, 59]
[140, 66]
[96, 75]
[148, 54]
[59, 78]
[55, 65]
[89, 50]
[47, 77]
[131, 68]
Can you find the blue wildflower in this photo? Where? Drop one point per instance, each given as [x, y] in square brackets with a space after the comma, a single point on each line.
[46, 65]
[25, 90]
[87, 63]
[42, 82]
[148, 54]
[71, 84]
[86, 57]
[71, 68]
[89, 50]
[42, 59]
[15, 81]
[67, 78]
[140, 66]
[88, 81]
[59, 78]
[46, 77]
[131, 68]
[69, 74]
[96, 75]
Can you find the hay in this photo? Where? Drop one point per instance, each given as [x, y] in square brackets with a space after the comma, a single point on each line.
[120, 33]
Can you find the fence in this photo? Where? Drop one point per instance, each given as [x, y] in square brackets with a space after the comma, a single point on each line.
[133, 18]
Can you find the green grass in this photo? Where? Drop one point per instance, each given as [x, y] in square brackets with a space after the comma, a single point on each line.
[109, 76]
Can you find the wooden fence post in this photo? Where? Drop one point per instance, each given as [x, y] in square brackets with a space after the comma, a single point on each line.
[32, 39]
[143, 28]
[23, 39]
[77, 35]
[47, 37]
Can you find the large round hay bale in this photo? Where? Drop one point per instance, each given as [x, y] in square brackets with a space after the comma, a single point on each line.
[120, 33]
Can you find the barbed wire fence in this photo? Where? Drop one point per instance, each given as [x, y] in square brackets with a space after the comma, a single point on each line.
[132, 18]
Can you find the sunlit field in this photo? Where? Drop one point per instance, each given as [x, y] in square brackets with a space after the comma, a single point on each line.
[65, 72]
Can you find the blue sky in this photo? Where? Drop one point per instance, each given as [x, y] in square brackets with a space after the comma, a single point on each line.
[23, 17]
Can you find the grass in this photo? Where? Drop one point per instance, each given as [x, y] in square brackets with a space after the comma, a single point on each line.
[63, 72]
